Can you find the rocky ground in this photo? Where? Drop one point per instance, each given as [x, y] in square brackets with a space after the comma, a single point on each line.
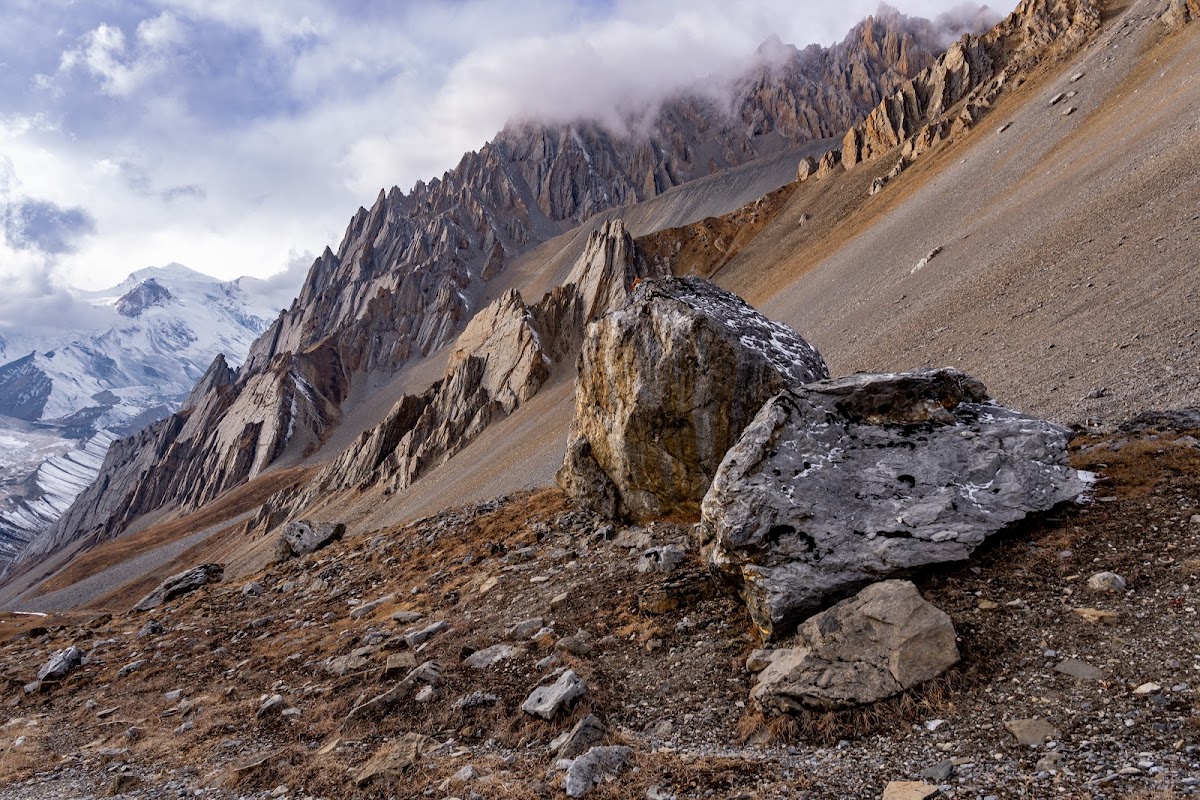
[237, 693]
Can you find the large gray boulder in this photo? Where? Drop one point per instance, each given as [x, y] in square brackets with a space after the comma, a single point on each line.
[302, 537]
[882, 641]
[844, 482]
[666, 385]
[181, 584]
[59, 665]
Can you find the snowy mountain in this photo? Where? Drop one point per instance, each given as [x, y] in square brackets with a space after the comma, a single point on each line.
[66, 396]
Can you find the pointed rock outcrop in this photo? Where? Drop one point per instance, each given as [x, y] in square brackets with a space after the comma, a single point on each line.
[666, 385]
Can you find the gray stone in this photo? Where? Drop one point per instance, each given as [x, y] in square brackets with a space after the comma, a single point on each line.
[252, 589]
[406, 617]
[417, 638]
[523, 630]
[303, 537]
[1051, 762]
[131, 667]
[490, 656]
[593, 767]
[549, 700]
[1031, 732]
[845, 481]
[586, 734]
[151, 628]
[61, 664]
[180, 584]
[272, 706]
[1079, 669]
[666, 384]
[908, 790]
[661, 559]
[939, 772]
[366, 609]
[1109, 582]
[877, 644]
[807, 168]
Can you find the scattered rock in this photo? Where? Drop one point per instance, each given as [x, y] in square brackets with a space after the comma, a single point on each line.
[1148, 688]
[271, 707]
[303, 537]
[525, 629]
[1082, 670]
[1057, 99]
[939, 772]
[661, 559]
[593, 767]
[131, 667]
[877, 644]
[61, 664]
[843, 481]
[549, 700]
[1077, 76]
[647, 446]
[909, 790]
[181, 584]
[417, 638]
[406, 617]
[807, 168]
[490, 656]
[1031, 732]
[1050, 762]
[151, 628]
[1096, 615]
[1069, 110]
[392, 761]
[252, 589]
[366, 609]
[586, 734]
[1109, 582]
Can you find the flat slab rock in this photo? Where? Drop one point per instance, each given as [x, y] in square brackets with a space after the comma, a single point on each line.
[666, 385]
[847, 481]
[180, 584]
[882, 641]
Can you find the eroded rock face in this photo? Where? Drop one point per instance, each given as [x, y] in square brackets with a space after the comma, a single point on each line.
[846, 481]
[180, 584]
[882, 641]
[665, 387]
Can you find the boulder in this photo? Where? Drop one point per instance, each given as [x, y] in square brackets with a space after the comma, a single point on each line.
[807, 168]
[587, 733]
[882, 641]
[829, 162]
[60, 664]
[303, 537]
[593, 767]
[547, 701]
[848, 481]
[181, 584]
[666, 384]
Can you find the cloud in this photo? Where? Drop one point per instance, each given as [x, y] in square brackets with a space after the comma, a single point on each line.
[31, 224]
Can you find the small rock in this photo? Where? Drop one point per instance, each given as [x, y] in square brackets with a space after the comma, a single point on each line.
[1076, 77]
[252, 589]
[661, 559]
[303, 537]
[1148, 688]
[271, 706]
[467, 773]
[559, 601]
[490, 656]
[1096, 615]
[909, 790]
[1050, 762]
[593, 767]
[1068, 111]
[417, 638]
[60, 665]
[132, 666]
[180, 584]
[398, 664]
[939, 772]
[151, 628]
[1109, 582]
[547, 701]
[406, 617]
[366, 609]
[589, 732]
[525, 629]
[1031, 732]
[1057, 99]
[1079, 669]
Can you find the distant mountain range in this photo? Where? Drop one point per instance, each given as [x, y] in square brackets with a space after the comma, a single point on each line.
[65, 396]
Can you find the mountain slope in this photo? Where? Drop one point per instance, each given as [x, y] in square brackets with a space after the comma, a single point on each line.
[414, 268]
[152, 337]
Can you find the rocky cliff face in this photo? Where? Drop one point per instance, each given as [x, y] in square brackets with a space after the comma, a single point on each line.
[972, 73]
[409, 271]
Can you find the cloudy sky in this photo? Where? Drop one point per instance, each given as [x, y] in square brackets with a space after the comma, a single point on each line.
[239, 136]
